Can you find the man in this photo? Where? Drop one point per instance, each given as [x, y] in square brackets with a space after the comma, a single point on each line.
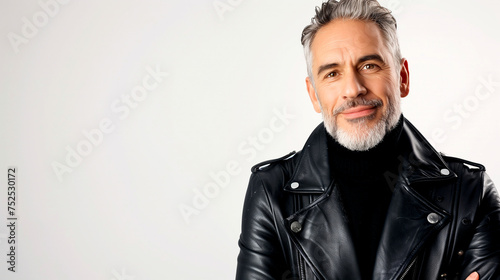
[367, 197]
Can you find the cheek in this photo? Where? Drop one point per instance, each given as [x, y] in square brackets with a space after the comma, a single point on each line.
[384, 87]
[329, 100]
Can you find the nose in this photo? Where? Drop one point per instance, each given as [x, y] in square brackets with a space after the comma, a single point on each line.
[353, 85]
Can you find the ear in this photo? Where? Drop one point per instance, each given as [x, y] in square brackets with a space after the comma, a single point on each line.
[312, 95]
[404, 78]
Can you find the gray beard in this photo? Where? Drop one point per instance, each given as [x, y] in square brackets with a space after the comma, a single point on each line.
[361, 137]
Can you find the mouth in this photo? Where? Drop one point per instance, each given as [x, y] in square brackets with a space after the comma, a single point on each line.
[359, 112]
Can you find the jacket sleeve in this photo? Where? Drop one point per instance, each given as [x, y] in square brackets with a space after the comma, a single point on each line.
[483, 254]
[260, 255]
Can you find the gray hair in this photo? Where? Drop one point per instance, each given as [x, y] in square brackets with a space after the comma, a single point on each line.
[365, 10]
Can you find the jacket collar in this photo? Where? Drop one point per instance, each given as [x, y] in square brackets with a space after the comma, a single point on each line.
[419, 161]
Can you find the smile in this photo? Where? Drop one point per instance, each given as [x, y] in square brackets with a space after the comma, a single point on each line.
[359, 112]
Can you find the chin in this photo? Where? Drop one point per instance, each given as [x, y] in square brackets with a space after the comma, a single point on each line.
[360, 134]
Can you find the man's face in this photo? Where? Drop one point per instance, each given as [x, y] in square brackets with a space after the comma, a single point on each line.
[356, 85]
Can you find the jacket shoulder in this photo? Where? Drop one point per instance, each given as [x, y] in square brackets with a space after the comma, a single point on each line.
[462, 164]
[269, 163]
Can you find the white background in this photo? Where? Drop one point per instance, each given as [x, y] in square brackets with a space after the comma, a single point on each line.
[116, 214]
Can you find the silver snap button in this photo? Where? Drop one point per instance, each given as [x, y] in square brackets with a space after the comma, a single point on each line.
[445, 172]
[294, 185]
[433, 218]
[296, 227]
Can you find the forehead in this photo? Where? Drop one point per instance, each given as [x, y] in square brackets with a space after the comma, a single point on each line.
[343, 38]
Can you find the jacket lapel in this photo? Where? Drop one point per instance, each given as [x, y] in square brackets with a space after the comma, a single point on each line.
[312, 174]
[323, 239]
[410, 223]
[412, 220]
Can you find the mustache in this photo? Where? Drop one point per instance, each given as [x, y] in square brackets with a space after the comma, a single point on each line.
[357, 102]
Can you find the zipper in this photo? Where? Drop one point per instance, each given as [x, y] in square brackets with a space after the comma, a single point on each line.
[408, 269]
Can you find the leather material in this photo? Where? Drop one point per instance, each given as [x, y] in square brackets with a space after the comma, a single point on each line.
[443, 221]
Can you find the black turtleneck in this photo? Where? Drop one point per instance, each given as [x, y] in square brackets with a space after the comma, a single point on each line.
[365, 191]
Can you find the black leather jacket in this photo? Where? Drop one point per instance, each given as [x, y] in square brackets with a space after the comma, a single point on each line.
[443, 221]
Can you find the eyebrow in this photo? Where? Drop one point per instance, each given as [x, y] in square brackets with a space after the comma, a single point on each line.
[326, 67]
[371, 57]
[361, 60]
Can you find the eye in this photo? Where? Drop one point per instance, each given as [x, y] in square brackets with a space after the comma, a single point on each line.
[332, 74]
[370, 66]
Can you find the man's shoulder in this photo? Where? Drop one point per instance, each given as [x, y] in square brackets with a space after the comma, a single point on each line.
[268, 165]
[290, 160]
[270, 177]
[274, 174]
[470, 174]
[460, 165]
